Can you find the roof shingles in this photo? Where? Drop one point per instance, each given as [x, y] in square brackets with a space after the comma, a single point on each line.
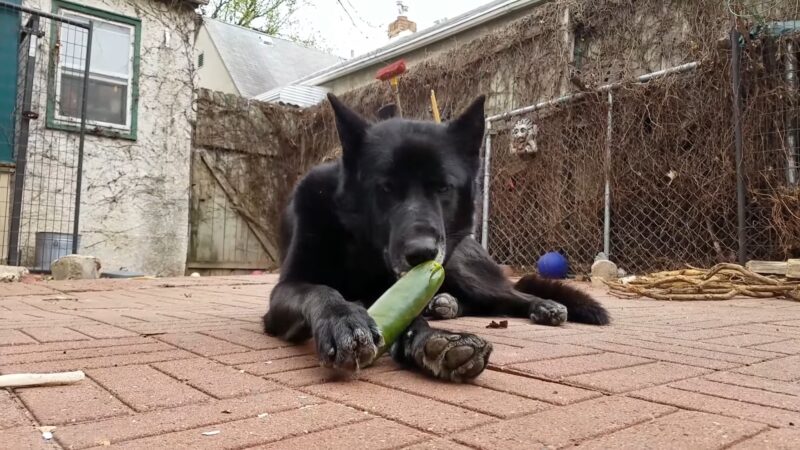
[258, 62]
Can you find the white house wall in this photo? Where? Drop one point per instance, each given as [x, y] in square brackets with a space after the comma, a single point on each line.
[135, 196]
[213, 75]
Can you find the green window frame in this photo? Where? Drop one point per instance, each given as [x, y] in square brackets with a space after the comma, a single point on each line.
[61, 120]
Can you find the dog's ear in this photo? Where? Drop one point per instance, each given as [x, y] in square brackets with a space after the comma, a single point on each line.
[351, 128]
[468, 128]
[387, 112]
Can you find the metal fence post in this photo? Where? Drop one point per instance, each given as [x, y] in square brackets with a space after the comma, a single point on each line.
[81, 139]
[607, 193]
[736, 84]
[28, 46]
[487, 159]
[790, 119]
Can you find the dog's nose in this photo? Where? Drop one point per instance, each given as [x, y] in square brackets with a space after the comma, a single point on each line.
[420, 250]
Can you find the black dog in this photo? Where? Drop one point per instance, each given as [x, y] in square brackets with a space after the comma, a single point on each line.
[402, 194]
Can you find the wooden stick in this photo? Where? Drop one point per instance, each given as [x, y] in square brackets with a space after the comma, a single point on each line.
[40, 379]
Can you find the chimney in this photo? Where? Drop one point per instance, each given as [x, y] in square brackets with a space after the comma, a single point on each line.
[401, 26]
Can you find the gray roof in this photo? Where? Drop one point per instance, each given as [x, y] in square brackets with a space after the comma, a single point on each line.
[302, 96]
[400, 46]
[258, 62]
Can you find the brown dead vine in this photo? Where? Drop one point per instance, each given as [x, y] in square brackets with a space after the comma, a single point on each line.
[721, 282]
[672, 171]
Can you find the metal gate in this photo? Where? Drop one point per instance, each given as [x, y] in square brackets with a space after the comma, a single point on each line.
[42, 183]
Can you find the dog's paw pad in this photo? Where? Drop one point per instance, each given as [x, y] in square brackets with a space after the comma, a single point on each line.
[454, 357]
[442, 307]
[548, 313]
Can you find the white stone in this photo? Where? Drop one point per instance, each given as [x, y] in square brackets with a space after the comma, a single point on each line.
[12, 273]
[604, 269]
[76, 267]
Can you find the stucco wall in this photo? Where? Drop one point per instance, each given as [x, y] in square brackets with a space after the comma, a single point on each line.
[135, 196]
[213, 75]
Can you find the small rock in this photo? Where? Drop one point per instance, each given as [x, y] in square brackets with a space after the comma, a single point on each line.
[12, 273]
[47, 435]
[195, 275]
[211, 433]
[76, 267]
[603, 269]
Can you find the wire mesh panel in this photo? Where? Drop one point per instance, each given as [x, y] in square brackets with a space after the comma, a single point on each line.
[673, 179]
[769, 42]
[667, 143]
[546, 185]
[46, 134]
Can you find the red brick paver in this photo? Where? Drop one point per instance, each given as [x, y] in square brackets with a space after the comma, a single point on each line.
[682, 430]
[169, 360]
[56, 405]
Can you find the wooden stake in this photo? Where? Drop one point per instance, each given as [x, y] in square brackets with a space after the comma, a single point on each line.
[40, 379]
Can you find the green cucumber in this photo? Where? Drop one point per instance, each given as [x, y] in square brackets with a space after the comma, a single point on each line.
[394, 311]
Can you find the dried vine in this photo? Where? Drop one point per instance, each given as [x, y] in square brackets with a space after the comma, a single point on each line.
[722, 282]
[672, 170]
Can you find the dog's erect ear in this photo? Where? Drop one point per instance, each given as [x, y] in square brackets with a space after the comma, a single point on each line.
[351, 127]
[387, 112]
[469, 126]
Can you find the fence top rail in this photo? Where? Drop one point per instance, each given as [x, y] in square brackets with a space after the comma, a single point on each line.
[579, 95]
[36, 12]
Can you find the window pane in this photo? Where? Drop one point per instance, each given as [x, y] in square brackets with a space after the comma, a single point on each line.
[72, 46]
[106, 101]
[111, 49]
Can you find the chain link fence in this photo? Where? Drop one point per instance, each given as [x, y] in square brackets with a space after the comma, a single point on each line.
[646, 169]
[770, 134]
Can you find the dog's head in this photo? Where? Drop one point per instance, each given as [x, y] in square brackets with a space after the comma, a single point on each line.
[410, 183]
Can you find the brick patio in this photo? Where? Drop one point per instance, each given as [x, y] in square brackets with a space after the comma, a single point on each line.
[169, 360]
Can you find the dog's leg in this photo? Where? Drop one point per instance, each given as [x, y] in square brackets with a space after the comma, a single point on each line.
[346, 336]
[481, 288]
[442, 307]
[442, 354]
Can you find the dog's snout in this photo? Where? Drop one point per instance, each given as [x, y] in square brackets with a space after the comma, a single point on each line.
[420, 250]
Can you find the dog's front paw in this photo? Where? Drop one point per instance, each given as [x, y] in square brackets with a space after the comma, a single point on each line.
[548, 312]
[442, 307]
[347, 338]
[451, 356]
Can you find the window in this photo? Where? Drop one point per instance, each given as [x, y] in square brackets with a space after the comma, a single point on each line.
[113, 73]
[200, 59]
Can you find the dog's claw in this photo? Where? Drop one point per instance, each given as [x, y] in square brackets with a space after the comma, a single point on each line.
[347, 340]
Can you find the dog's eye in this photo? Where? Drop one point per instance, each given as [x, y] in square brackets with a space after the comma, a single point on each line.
[444, 188]
[386, 187]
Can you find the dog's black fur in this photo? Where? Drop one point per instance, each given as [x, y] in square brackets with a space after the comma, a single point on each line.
[402, 193]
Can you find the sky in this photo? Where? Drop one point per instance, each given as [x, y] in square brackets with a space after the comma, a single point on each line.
[365, 27]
